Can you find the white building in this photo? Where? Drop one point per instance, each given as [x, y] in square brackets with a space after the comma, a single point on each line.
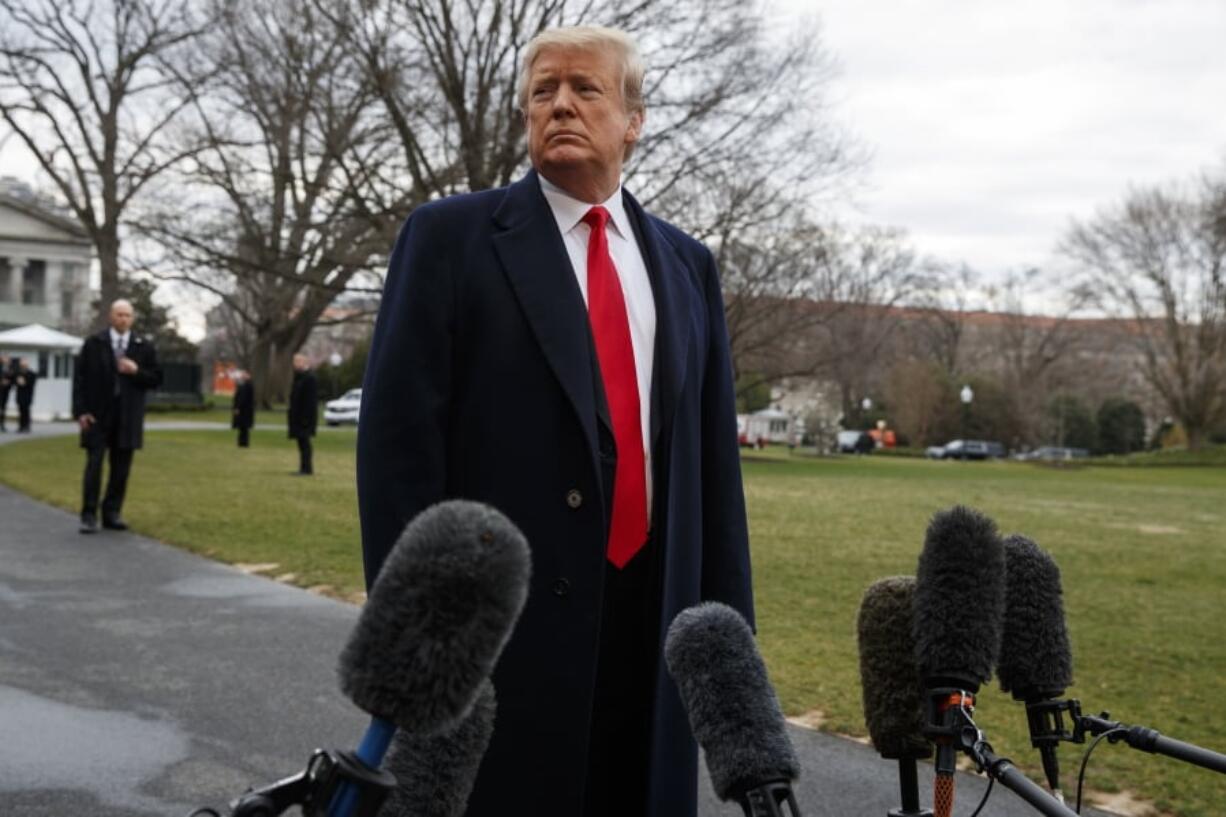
[44, 263]
[51, 353]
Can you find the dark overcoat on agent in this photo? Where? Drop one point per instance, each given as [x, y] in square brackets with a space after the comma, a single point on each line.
[93, 388]
[481, 384]
[242, 414]
[24, 381]
[303, 414]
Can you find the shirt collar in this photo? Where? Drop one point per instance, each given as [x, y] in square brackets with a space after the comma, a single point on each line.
[568, 211]
[116, 336]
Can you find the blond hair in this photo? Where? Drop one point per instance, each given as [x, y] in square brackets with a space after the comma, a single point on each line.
[589, 37]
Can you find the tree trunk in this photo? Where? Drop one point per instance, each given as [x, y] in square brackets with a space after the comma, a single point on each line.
[107, 245]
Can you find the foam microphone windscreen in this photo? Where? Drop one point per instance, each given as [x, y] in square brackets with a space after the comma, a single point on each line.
[1036, 662]
[438, 615]
[733, 711]
[959, 600]
[435, 773]
[889, 677]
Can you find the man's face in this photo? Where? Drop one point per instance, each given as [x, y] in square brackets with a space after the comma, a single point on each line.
[577, 120]
[121, 316]
[300, 363]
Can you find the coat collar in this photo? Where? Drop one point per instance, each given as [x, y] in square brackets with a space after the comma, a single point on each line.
[532, 253]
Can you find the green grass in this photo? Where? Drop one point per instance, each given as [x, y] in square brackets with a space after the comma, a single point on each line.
[1142, 552]
[199, 490]
[218, 414]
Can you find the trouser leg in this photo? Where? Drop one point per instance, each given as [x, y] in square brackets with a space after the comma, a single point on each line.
[23, 416]
[92, 481]
[117, 481]
[244, 437]
[304, 455]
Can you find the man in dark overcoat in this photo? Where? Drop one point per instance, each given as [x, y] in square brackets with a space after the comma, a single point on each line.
[114, 370]
[553, 350]
[242, 413]
[24, 379]
[303, 414]
[6, 383]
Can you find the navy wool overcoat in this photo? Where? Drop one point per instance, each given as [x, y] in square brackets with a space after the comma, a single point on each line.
[481, 385]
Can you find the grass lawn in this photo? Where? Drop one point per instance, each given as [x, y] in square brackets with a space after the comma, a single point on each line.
[1142, 551]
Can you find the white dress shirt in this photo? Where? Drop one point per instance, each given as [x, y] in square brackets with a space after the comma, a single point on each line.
[636, 286]
[125, 338]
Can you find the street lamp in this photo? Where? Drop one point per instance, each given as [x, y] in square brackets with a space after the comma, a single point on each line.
[967, 396]
[334, 360]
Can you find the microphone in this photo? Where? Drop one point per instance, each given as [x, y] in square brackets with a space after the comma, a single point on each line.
[890, 684]
[435, 774]
[732, 707]
[1036, 663]
[957, 624]
[438, 615]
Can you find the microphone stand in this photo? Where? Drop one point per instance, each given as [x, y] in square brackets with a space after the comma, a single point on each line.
[908, 785]
[313, 789]
[1047, 729]
[967, 736]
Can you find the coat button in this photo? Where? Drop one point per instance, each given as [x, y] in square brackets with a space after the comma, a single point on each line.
[561, 587]
[573, 498]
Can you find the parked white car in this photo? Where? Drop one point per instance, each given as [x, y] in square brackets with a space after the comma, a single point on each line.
[343, 409]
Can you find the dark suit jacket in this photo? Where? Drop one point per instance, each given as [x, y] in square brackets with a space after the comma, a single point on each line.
[243, 410]
[303, 414]
[480, 384]
[93, 389]
[24, 381]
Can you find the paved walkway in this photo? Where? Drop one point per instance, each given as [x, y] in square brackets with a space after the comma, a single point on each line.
[137, 680]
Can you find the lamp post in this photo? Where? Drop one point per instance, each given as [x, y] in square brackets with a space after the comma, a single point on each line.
[334, 360]
[966, 395]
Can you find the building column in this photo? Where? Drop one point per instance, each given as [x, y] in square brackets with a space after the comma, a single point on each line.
[17, 274]
[52, 275]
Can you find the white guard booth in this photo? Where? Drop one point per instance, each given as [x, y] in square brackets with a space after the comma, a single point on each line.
[52, 354]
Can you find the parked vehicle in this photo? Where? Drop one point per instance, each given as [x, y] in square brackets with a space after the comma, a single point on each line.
[965, 450]
[765, 426]
[1054, 453]
[854, 442]
[343, 409]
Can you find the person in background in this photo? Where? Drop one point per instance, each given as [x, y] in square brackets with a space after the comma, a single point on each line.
[303, 414]
[243, 410]
[24, 379]
[554, 350]
[6, 383]
[114, 370]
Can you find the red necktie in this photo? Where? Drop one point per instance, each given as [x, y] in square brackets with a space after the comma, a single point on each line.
[606, 309]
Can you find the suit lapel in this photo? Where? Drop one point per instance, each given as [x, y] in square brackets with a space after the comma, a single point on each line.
[670, 286]
[536, 264]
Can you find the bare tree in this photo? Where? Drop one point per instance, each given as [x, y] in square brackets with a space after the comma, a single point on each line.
[1156, 261]
[860, 278]
[81, 87]
[446, 74]
[291, 207]
[1033, 353]
[943, 302]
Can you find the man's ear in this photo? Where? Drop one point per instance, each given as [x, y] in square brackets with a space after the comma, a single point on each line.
[635, 131]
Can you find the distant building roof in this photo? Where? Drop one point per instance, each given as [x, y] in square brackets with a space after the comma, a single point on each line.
[37, 336]
[20, 197]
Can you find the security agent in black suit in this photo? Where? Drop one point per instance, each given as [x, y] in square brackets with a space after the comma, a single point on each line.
[114, 370]
[303, 415]
[6, 382]
[24, 379]
[242, 412]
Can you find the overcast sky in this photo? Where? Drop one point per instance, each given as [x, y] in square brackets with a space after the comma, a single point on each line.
[992, 124]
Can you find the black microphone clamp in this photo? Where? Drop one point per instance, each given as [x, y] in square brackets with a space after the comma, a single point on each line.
[315, 788]
[769, 799]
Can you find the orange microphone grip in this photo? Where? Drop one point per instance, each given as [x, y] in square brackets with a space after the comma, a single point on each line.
[943, 796]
